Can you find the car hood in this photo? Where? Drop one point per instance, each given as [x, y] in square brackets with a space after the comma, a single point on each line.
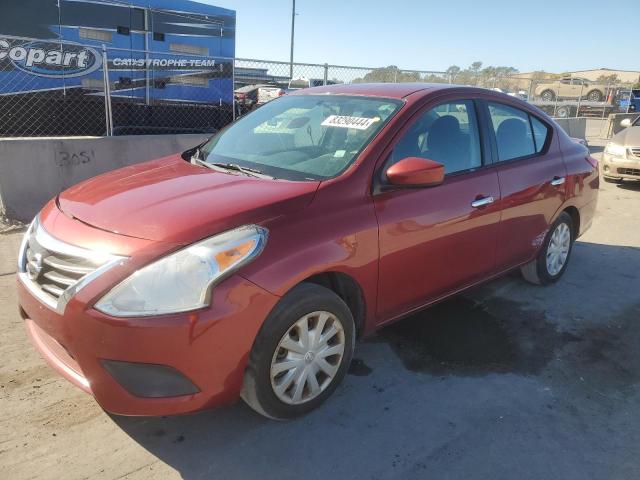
[629, 137]
[174, 201]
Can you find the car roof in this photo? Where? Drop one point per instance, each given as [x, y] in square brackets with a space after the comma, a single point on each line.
[387, 90]
[416, 91]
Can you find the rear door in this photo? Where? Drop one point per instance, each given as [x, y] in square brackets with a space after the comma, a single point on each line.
[565, 89]
[532, 179]
[436, 240]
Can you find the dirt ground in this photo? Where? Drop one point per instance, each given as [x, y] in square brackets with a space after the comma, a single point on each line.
[508, 381]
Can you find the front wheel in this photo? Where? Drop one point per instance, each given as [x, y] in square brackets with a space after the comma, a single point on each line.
[553, 258]
[301, 353]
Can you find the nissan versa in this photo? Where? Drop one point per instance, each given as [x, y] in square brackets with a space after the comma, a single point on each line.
[248, 266]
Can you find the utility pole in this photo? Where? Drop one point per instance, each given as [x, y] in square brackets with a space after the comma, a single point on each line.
[293, 26]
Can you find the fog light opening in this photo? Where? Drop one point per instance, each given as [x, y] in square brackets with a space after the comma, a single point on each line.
[149, 380]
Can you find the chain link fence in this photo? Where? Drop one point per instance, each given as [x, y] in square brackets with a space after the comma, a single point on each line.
[73, 89]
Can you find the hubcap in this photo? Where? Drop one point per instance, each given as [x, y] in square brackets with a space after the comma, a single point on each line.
[558, 249]
[307, 358]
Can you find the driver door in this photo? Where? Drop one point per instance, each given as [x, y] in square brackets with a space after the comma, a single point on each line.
[436, 240]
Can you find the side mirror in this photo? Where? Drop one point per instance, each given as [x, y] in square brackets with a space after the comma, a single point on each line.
[625, 123]
[415, 172]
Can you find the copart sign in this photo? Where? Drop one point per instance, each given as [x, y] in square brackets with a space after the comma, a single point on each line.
[50, 59]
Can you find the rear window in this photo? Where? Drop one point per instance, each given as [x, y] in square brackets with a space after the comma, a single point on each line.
[518, 134]
[540, 133]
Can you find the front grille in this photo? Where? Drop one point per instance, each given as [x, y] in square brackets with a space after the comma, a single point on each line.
[54, 271]
[635, 152]
[629, 171]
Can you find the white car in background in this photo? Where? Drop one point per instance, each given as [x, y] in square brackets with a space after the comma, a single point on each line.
[250, 96]
[621, 158]
[304, 82]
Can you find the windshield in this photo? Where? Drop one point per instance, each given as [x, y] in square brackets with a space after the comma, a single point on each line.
[301, 137]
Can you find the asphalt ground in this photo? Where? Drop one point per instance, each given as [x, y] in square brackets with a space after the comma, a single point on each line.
[507, 381]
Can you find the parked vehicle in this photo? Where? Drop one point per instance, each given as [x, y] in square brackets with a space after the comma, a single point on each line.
[249, 266]
[304, 82]
[255, 95]
[621, 157]
[571, 88]
[629, 100]
[582, 108]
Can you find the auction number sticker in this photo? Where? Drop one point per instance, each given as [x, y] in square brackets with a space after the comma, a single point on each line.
[343, 121]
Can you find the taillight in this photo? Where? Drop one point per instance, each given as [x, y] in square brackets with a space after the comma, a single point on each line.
[281, 93]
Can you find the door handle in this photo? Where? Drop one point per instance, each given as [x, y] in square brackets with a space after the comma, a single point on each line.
[481, 202]
[557, 181]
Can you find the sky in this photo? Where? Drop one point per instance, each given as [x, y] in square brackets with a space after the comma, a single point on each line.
[555, 36]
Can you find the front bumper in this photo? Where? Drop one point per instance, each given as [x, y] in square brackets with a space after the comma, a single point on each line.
[210, 347]
[614, 167]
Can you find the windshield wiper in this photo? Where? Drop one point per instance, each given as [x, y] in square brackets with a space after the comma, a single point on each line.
[252, 172]
[246, 170]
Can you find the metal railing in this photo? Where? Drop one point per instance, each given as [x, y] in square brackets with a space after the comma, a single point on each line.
[115, 91]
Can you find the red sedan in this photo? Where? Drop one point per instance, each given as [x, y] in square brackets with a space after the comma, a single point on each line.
[249, 266]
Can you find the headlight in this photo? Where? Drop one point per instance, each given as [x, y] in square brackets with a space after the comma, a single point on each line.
[615, 150]
[182, 281]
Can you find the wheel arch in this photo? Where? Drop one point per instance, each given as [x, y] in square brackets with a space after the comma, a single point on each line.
[348, 289]
[574, 213]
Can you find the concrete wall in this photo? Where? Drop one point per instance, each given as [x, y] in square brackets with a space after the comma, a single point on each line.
[575, 127]
[34, 170]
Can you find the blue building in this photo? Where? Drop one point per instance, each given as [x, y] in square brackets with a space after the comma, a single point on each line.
[170, 65]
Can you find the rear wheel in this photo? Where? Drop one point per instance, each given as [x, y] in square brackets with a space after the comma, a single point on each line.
[595, 96]
[301, 354]
[553, 258]
[548, 95]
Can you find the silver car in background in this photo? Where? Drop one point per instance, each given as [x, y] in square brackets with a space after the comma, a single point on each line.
[621, 158]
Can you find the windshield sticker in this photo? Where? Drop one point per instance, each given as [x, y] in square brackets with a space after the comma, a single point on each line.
[339, 153]
[342, 121]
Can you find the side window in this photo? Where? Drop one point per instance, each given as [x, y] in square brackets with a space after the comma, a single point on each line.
[447, 134]
[513, 132]
[540, 133]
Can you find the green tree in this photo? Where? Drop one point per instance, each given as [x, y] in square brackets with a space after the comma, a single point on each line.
[390, 74]
[475, 67]
[453, 71]
[608, 79]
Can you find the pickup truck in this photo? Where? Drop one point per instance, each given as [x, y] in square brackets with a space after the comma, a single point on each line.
[571, 88]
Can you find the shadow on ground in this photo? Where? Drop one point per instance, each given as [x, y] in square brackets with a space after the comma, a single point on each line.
[633, 185]
[506, 381]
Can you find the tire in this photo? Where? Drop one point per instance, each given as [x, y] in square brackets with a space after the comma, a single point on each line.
[539, 271]
[307, 304]
[595, 96]
[548, 96]
[612, 180]
[563, 112]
